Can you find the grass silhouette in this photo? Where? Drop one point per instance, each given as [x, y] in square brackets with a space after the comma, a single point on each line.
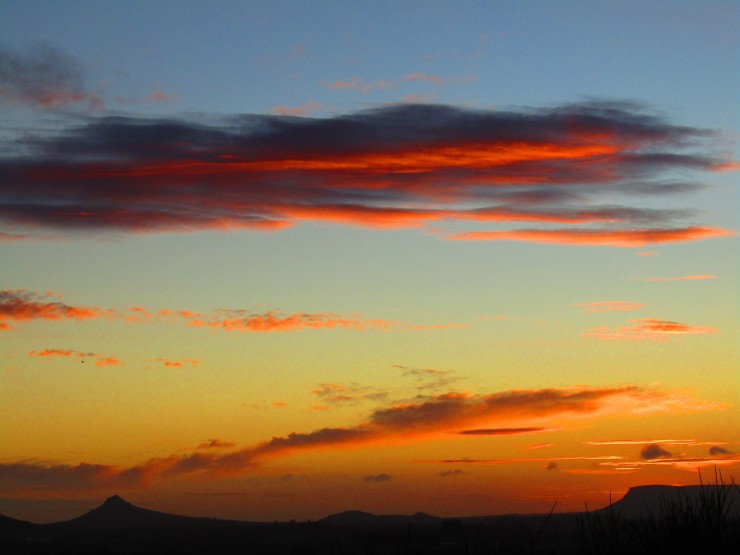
[699, 524]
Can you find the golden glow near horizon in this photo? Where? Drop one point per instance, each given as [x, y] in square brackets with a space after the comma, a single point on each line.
[371, 268]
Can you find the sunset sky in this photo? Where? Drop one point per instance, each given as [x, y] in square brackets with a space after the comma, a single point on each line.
[276, 260]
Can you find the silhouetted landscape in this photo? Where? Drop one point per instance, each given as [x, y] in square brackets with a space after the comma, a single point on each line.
[648, 519]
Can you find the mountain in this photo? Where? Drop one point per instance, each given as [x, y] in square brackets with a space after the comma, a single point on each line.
[115, 512]
[644, 501]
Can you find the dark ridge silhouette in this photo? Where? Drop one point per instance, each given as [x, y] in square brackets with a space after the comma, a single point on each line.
[117, 513]
[363, 519]
[646, 501]
[119, 527]
[13, 525]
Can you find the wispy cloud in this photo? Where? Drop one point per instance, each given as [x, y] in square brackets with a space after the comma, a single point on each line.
[609, 306]
[377, 478]
[43, 77]
[20, 305]
[651, 329]
[61, 353]
[404, 166]
[423, 77]
[179, 363]
[216, 444]
[504, 431]
[352, 393]
[101, 360]
[677, 278]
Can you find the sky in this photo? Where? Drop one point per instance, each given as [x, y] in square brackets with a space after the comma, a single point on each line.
[277, 260]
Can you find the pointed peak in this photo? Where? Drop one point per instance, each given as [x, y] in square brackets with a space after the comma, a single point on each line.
[116, 501]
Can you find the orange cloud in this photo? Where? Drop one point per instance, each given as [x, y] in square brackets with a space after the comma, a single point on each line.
[167, 363]
[20, 305]
[400, 422]
[61, 353]
[609, 306]
[648, 329]
[108, 361]
[402, 166]
[626, 238]
[678, 278]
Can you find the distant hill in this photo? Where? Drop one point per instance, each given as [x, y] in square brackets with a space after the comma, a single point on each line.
[116, 513]
[644, 501]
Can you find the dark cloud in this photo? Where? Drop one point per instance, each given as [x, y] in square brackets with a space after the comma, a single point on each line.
[654, 451]
[552, 465]
[348, 393]
[448, 473]
[500, 431]
[377, 478]
[716, 450]
[43, 77]
[403, 166]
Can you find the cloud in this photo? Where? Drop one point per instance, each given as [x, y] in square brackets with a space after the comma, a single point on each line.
[302, 110]
[625, 238]
[643, 442]
[552, 465]
[19, 305]
[245, 321]
[60, 353]
[429, 379]
[651, 329]
[43, 77]
[168, 363]
[423, 77]
[158, 95]
[678, 278]
[448, 473]
[101, 360]
[108, 361]
[503, 431]
[434, 415]
[352, 393]
[609, 306]
[216, 444]
[394, 167]
[716, 450]
[654, 451]
[377, 478]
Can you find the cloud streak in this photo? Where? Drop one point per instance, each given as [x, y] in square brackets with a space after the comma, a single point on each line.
[398, 167]
[20, 305]
[650, 329]
[430, 417]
